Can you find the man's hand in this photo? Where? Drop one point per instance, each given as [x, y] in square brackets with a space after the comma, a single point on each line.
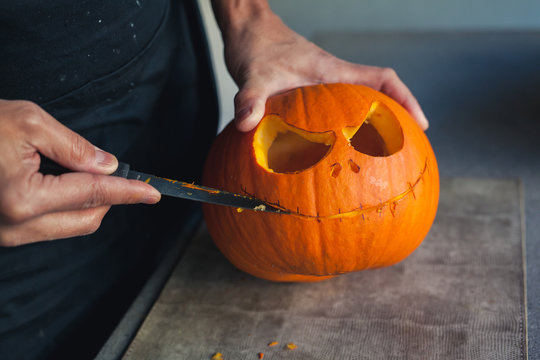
[265, 57]
[36, 207]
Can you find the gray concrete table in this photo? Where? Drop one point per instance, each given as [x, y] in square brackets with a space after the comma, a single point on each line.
[460, 295]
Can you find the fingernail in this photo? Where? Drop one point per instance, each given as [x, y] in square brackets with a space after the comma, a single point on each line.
[104, 159]
[422, 120]
[425, 123]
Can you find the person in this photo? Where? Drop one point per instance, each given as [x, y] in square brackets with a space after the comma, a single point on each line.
[83, 81]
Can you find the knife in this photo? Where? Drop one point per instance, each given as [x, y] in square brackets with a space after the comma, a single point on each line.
[179, 189]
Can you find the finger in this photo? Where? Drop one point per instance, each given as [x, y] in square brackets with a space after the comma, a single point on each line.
[72, 191]
[62, 145]
[249, 104]
[397, 90]
[43, 194]
[386, 81]
[59, 225]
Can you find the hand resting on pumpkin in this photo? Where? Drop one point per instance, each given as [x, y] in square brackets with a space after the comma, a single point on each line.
[36, 207]
[265, 57]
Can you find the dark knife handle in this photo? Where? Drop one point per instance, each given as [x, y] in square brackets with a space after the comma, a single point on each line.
[49, 167]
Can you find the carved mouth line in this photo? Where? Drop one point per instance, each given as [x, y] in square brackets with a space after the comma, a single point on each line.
[361, 210]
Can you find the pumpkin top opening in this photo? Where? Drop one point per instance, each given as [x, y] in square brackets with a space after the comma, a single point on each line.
[283, 148]
[379, 134]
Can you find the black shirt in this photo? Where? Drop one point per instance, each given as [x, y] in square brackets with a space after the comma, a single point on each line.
[52, 47]
[134, 79]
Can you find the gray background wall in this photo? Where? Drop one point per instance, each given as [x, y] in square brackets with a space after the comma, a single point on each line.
[380, 15]
[313, 17]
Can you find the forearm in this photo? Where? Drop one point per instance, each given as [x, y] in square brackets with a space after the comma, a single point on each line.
[233, 17]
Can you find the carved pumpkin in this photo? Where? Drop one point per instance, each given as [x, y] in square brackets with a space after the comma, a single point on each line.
[353, 167]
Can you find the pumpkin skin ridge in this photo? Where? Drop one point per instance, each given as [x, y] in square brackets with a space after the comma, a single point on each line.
[383, 251]
[350, 213]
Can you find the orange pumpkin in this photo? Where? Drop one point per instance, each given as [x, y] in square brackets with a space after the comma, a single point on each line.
[351, 165]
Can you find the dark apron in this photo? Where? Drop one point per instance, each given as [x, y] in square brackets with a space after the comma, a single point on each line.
[158, 112]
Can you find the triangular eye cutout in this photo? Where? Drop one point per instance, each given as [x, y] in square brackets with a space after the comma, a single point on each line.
[379, 134]
[283, 148]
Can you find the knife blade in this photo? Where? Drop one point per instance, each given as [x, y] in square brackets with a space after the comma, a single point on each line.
[180, 189]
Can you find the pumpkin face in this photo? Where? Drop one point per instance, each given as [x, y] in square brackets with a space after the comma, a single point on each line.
[356, 172]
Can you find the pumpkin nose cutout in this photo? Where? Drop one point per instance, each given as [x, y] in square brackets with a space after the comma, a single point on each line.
[283, 148]
[379, 134]
[335, 169]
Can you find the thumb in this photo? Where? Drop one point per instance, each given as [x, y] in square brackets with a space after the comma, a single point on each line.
[249, 106]
[62, 145]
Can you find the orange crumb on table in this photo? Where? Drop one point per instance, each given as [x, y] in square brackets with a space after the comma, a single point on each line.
[217, 356]
[261, 355]
[291, 346]
[273, 343]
